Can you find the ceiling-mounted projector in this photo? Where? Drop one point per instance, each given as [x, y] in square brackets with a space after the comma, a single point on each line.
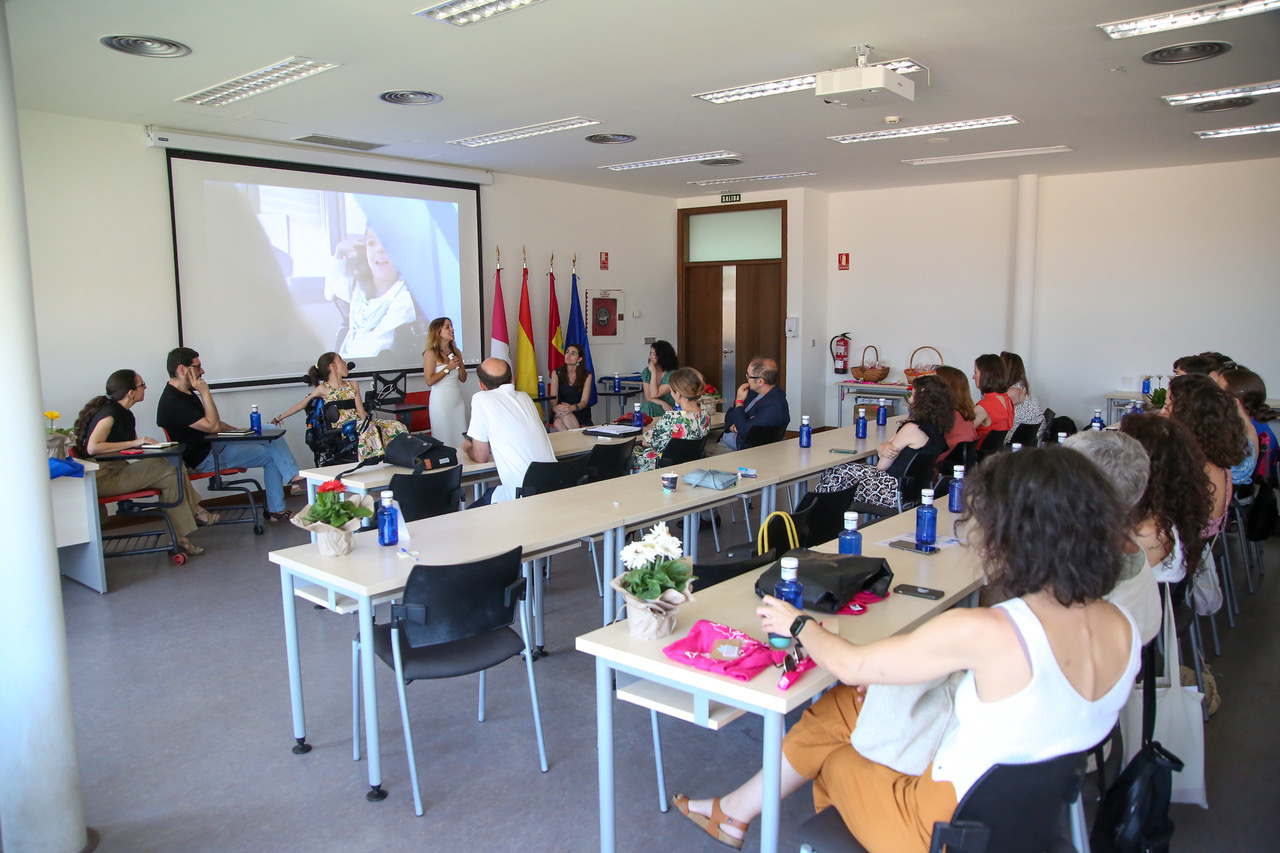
[864, 86]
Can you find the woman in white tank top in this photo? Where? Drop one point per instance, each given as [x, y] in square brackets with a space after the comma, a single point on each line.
[1046, 672]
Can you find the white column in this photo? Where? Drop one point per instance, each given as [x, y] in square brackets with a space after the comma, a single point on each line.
[1024, 266]
[40, 806]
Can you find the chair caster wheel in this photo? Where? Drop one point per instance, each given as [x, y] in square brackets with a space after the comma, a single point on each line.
[257, 530]
[179, 559]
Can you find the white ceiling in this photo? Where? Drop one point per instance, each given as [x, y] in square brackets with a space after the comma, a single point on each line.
[634, 66]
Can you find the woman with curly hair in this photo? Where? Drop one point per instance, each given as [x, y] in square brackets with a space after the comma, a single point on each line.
[1250, 393]
[1045, 673]
[963, 429]
[1210, 415]
[931, 412]
[1026, 408]
[1175, 508]
[657, 387]
[687, 420]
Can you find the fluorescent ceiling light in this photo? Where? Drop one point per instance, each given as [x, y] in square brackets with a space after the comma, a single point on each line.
[290, 70]
[988, 155]
[926, 129]
[1239, 131]
[670, 161]
[524, 132]
[717, 182]
[793, 84]
[1192, 17]
[1219, 94]
[463, 12]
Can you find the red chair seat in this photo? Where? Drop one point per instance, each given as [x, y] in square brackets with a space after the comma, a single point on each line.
[103, 500]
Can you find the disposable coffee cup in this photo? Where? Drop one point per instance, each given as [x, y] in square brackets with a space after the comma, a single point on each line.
[669, 482]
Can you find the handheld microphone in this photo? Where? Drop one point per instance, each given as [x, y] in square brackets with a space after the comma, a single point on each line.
[351, 365]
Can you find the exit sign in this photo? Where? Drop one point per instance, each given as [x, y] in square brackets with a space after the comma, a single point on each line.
[730, 197]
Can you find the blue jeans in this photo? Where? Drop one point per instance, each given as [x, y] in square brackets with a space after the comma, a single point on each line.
[273, 457]
[729, 440]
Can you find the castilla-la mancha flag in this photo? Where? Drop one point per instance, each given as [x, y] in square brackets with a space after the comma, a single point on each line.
[499, 340]
[555, 346]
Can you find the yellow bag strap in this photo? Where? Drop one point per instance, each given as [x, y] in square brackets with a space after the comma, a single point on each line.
[762, 538]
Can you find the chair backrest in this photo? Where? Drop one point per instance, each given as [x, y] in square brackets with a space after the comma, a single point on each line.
[718, 571]
[682, 450]
[419, 421]
[760, 436]
[447, 603]
[819, 517]
[1023, 806]
[1027, 434]
[541, 477]
[428, 494]
[918, 476]
[1043, 437]
[1061, 423]
[609, 460]
[962, 454]
[391, 387]
[991, 442]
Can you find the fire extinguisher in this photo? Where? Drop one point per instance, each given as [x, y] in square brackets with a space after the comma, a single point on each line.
[840, 352]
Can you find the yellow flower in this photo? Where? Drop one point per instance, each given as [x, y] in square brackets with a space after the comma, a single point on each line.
[53, 416]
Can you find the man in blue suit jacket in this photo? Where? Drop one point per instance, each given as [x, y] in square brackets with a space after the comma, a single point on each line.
[759, 404]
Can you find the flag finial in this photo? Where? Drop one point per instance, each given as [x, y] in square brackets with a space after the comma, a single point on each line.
[497, 251]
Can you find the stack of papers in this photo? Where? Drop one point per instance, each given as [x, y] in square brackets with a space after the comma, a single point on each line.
[613, 430]
[234, 432]
[159, 445]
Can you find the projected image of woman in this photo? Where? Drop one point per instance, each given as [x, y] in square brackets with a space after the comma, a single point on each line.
[377, 301]
[444, 371]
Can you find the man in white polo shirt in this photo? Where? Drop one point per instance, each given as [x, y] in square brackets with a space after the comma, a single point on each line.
[505, 426]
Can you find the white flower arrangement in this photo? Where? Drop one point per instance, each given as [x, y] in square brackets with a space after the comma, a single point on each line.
[652, 564]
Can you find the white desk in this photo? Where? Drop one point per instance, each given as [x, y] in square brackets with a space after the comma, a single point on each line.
[711, 700]
[76, 530]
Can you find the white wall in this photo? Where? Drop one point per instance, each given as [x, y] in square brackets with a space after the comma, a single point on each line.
[102, 259]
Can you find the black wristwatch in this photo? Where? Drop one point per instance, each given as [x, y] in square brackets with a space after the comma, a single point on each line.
[798, 625]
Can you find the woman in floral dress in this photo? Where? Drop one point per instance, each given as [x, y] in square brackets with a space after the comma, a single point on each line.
[329, 378]
[687, 420]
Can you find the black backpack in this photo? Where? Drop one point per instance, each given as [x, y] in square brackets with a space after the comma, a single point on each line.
[1261, 515]
[1134, 814]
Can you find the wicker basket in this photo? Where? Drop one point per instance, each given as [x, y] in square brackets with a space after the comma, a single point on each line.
[913, 370]
[875, 372]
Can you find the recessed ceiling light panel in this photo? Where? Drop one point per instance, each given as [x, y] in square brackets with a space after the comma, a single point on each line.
[669, 161]
[287, 71]
[1239, 131]
[988, 155]
[151, 46]
[1189, 98]
[524, 132]
[1192, 17]
[905, 65]
[460, 13]
[610, 138]
[719, 181]
[926, 129]
[410, 98]
[1180, 54]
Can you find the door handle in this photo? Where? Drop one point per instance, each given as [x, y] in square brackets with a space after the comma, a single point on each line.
[725, 351]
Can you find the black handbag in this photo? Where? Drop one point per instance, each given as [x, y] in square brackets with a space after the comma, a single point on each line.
[420, 454]
[830, 580]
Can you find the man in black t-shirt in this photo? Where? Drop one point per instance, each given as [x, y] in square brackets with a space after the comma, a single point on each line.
[188, 413]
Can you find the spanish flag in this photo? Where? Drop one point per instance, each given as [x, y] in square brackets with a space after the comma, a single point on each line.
[526, 362]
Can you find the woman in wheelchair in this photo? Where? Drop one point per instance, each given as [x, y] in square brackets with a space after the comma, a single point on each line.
[328, 376]
[1045, 673]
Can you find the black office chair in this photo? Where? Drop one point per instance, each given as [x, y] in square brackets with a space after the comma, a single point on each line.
[608, 460]
[428, 494]
[1061, 423]
[1013, 808]
[680, 450]
[542, 477]
[1027, 434]
[992, 442]
[1043, 437]
[718, 571]
[917, 477]
[760, 436]
[455, 620]
[330, 443]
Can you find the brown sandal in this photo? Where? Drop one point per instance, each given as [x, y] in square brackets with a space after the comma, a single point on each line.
[190, 549]
[210, 518]
[712, 824]
[279, 517]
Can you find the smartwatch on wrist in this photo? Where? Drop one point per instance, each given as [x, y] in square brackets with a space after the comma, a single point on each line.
[798, 625]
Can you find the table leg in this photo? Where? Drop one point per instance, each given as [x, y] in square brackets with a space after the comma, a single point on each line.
[301, 747]
[768, 501]
[839, 406]
[691, 524]
[604, 750]
[368, 664]
[608, 571]
[772, 764]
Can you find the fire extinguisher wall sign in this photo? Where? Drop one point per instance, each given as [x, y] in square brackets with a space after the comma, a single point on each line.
[840, 352]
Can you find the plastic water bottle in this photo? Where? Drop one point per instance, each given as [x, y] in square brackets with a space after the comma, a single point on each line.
[255, 420]
[882, 413]
[806, 432]
[1015, 446]
[637, 419]
[1062, 437]
[1146, 386]
[790, 590]
[926, 519]
[860, 425]
[1135, 407]
[1097, 422]
[542, 387]
[388, 521]
[955, 492]
[850, 538]
[617, 383]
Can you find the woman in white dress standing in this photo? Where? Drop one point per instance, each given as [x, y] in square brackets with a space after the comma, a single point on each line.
[444, 371]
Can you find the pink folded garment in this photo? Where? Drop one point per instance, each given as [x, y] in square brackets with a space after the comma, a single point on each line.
[859, 603]
[739, 655]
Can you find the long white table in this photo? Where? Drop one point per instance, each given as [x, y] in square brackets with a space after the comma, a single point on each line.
[542, 525]
[712, 700]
